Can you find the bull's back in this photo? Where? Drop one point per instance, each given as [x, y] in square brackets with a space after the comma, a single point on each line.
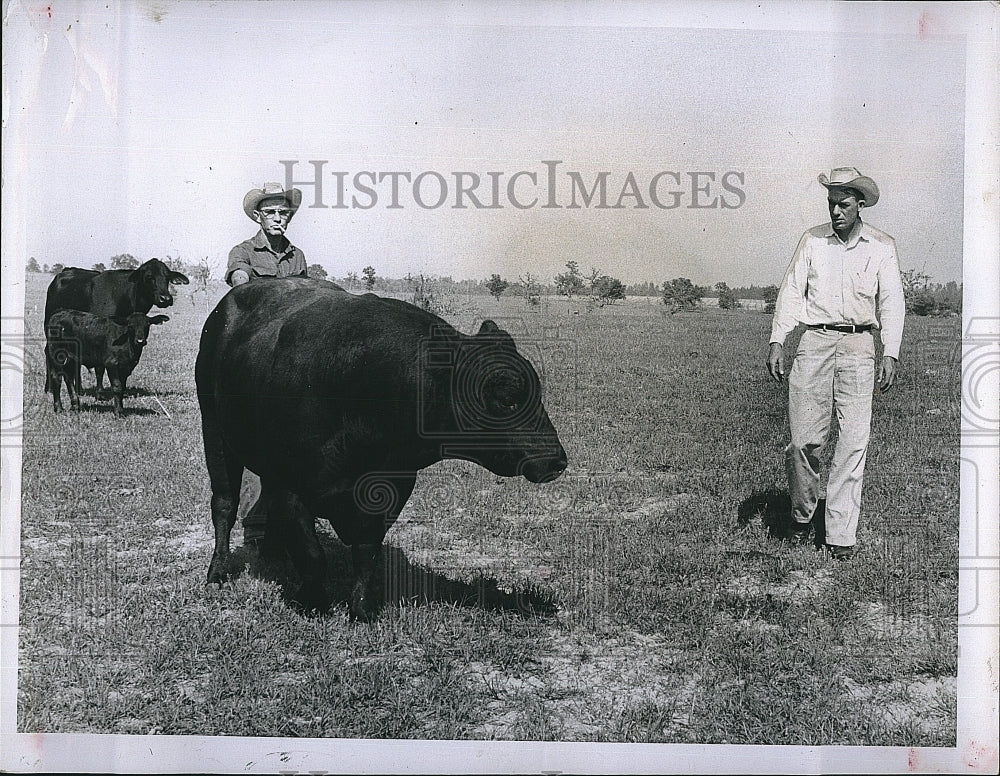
[71, 289]
[289, 364]
[295, 335]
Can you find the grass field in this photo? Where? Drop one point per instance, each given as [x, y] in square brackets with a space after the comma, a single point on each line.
[640, 598]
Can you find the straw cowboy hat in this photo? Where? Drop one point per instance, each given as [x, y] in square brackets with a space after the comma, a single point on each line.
[270, 190]
[850, 178]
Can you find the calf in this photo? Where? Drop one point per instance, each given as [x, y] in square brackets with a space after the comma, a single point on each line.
[114, 292]
[74, 338]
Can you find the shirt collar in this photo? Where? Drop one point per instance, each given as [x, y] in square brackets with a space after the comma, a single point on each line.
[260, 242]
[860, 235]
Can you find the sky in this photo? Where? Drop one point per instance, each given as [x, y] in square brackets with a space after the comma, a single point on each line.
[137, 127]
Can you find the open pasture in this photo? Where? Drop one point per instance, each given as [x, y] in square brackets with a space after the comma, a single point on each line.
[640, 598]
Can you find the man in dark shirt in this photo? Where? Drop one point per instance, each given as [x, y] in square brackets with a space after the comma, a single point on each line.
[268, 253]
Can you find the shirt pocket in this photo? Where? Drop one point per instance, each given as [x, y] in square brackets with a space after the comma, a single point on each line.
[866, 284]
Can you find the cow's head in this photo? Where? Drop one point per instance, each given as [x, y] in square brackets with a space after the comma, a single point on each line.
[137, 328]
[154, 278]
[497, 402]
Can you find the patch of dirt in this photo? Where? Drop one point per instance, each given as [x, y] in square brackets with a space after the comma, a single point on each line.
[883, 624]
[922, 702]
[798, 586]
[585, 683]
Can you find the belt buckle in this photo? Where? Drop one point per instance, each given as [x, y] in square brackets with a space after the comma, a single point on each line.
[854, 328]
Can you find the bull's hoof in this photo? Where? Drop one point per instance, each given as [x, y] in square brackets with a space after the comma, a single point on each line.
[311, 600]
[362, 607]
[218, 574]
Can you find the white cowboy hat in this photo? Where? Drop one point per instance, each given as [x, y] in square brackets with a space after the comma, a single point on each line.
[850, 178]
[254, 197]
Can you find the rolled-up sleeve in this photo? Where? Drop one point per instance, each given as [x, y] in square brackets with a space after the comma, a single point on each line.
[238, 259]
[791, 295]
[891, 302]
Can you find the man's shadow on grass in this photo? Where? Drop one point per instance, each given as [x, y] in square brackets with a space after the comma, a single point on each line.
[399, 582]
[773, 507]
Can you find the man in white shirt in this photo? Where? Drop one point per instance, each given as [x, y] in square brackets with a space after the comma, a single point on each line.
[841, 275]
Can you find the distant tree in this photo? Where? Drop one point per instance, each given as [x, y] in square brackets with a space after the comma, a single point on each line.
[32, 265]
[727, 298]
[916, 292]
[352, 280]
[571, 281]
[681, 294]
[770, 297]
[608, 290]
[530, 289]
[99, 267]
[949, 298]
[45, 268]
[174, 263]
[593, 277]
[124, 261]
[317, 271]
[497, 285]
[369, 273]
[57, 268]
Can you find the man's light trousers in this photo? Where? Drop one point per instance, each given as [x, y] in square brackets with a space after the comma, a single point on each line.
[831, 371]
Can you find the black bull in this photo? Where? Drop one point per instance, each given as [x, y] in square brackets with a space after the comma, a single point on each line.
[331, 398]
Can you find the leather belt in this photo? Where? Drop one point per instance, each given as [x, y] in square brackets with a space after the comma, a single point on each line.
[849, 328]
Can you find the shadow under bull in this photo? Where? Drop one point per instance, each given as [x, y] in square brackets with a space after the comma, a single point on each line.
[398, 582]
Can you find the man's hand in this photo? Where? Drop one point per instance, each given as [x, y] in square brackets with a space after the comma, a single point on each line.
[239, 277]
[776, 361]
[887, 374]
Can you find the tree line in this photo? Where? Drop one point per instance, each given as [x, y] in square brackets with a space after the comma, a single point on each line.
[923, 297]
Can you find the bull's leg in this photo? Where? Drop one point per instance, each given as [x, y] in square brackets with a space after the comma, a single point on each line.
[366, 559]
[299, 528]
[369, 513]
[118, 391]
[74, 396]
[225, 472]
[54, 379]
[99, 388]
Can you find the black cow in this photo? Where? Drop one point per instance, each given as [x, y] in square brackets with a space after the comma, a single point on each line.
[337, 400]
[74, 338]
[116, 292]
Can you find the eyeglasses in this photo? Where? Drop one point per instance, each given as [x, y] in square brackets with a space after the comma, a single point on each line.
[276, 212]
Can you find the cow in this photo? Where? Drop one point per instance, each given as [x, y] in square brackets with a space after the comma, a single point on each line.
[74, 338]
[337, 400]
[115, 292]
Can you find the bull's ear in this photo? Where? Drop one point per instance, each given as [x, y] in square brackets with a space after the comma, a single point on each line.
[178, 278]
[155, 319]
[488, 327]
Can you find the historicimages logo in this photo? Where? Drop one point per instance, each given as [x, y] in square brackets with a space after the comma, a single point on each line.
[550, 186]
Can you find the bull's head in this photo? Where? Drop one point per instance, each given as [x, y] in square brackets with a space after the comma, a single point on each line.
[500, 420]
[154, 278]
